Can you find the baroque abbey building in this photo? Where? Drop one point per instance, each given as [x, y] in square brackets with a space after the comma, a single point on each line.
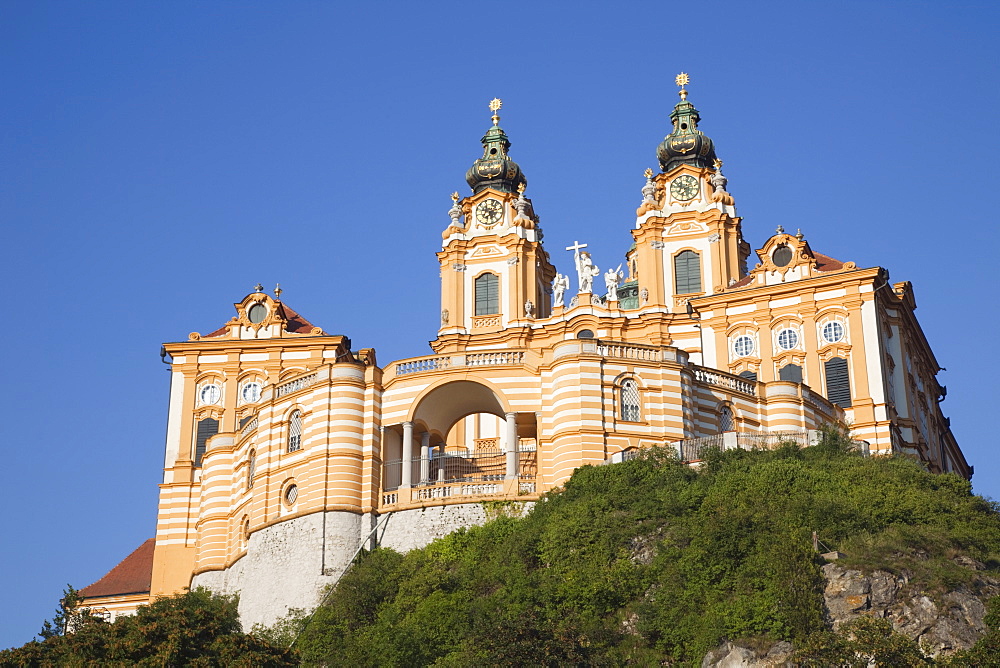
[289, 448]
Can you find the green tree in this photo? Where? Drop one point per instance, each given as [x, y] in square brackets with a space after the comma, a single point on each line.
[196, 628]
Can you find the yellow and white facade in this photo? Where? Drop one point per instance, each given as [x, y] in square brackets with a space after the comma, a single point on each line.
[286, 447]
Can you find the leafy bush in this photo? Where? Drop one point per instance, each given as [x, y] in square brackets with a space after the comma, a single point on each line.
[653, 561]
[196, 628]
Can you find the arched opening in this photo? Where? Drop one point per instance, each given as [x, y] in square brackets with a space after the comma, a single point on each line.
[460, 434]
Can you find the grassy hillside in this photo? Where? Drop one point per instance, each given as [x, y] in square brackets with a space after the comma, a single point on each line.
[650, 561]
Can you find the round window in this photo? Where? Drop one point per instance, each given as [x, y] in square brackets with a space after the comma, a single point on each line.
[833, 332]
[251, 392]
[788, 339]
[743, 345]
[257, 313]
[782, 256]
[291, 494]
[210, 395]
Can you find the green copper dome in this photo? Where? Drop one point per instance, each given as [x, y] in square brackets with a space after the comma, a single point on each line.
[495, 169]
[686, 145]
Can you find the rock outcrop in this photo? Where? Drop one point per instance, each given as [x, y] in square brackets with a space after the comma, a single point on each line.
[940, 624]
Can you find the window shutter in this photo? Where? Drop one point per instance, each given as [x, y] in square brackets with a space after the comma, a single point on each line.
[687, 272]
[838, 381]
[791, 373]
[207, 428]
[487, 294]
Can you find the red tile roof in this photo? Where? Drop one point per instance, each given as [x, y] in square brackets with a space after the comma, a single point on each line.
[132, 576]
[827, 263]
[823, 263]
[296, 324]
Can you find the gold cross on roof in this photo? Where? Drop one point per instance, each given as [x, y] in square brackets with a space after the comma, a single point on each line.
[495, 105]
[682, 80]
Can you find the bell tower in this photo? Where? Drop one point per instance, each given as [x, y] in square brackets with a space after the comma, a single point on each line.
[688, 238]
[495, 275]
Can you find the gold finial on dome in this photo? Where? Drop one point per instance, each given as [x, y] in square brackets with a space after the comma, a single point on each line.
[495, 105]
[717, 164]
[648, 173]
[682, 80]
[277, 291]
[454, 196]
[520, 188]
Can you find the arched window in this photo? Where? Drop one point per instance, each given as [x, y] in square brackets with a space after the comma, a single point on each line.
[726, 421]
[295, 431]
[251, 468]
[487, 294]
[207, 428]
[838, 381]
[687, 272]
[791, 373]
[749, 375]
[629, 400]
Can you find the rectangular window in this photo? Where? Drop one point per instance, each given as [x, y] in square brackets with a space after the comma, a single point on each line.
[838, 381]
[487, 294]
[790, 372]
[687, 272]
[630, 401]
[207, 428]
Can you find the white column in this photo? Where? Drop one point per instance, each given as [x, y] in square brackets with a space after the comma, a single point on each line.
[407, 473]
[425, 459]
[511, 442]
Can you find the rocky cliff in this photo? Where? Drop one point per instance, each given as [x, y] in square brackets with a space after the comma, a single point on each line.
[941, 623]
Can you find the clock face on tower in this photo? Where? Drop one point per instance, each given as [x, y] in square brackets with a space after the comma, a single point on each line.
[489, 212]
[684, 188]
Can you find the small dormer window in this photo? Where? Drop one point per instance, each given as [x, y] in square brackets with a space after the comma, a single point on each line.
[782, 256]
[257, 313]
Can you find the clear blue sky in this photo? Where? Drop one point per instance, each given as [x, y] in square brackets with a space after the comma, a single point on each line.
[159, 159]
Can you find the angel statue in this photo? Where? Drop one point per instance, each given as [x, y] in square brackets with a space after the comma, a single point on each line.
[612, 277]
[559, 287]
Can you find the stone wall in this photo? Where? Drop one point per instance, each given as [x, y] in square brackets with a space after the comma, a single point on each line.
[287, 565]
[411, 529]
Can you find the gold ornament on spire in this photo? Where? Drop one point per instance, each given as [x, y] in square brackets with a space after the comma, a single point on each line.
[277, 290]
[520, 188]
[454, 196]
[717, 164]
[648, 173]
[682, 80]
[495, 105]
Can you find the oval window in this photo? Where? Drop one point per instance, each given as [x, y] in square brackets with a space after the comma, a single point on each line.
[788, 339]
[833, 332]
[291, 494]
[743, 346]
[782, 256]
[257, 313]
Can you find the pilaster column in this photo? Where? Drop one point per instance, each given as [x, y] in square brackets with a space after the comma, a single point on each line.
[511, 439]
[425, 459]
[406, 479]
